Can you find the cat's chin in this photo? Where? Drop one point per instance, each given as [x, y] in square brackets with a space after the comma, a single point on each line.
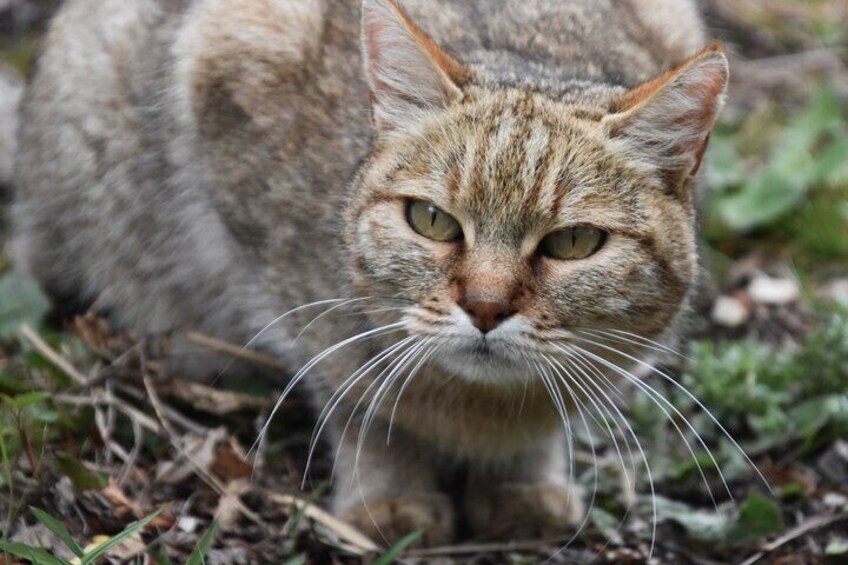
[481, 363]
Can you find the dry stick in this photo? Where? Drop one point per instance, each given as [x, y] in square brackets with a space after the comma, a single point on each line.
[99, 398]
[236, 351]
[795, 533]
[172, 414]
[475, 548]
[345, 531]
[52, 355]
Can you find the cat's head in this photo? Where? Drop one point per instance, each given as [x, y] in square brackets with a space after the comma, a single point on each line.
[515, 222]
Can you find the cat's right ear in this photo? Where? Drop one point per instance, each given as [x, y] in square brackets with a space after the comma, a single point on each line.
[408, 74]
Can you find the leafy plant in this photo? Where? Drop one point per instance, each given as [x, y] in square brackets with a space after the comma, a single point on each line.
[811, 152]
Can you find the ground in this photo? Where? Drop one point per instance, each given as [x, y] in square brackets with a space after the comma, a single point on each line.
[95, 437]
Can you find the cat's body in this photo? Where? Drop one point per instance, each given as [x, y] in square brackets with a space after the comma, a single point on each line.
[186, 165]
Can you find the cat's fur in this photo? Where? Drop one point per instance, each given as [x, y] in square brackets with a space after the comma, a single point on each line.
[194, 164]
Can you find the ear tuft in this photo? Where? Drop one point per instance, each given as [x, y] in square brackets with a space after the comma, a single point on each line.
[407, 72]
[667, 120]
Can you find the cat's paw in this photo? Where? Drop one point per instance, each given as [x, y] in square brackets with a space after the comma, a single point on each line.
[525, 511]
[389, 519]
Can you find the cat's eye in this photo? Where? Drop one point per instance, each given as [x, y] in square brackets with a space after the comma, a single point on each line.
[573, 243]
[431, 222]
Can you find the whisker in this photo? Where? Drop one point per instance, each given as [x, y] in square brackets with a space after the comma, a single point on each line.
[407, 358]
[633, 339]
[661, 402]
[314, 361]
[336, 398]
[332, 309]
[424, 359]
[581, 410]
[576, 357]
[410, 344]
[271, 324]
[700, 405]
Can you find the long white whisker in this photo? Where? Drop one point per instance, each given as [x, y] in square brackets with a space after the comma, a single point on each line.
[661, 403]
[632, 339]
[577, 358]
[426, 357]
[409, 345]
[580, 410]
[330, 310]
[338, 395]
[700, 405]
[407, 358]
[314, 361]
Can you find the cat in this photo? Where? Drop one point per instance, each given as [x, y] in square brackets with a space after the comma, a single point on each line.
[474, 216]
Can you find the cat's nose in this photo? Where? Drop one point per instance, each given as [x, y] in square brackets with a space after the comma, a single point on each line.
[488, 314]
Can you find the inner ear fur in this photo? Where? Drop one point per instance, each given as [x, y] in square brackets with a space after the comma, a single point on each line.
[666, 121]
[407, 72]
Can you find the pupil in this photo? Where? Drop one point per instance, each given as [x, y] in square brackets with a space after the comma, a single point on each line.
[432, 211]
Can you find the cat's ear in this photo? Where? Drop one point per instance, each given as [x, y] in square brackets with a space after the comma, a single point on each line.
[667, 121]
[407, 73]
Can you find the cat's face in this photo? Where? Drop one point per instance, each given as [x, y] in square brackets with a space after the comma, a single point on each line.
[514, 225]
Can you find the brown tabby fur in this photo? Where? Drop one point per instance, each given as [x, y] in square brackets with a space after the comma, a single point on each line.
[185, 164]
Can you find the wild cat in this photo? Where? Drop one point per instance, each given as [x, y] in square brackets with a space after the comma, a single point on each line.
[475, 217]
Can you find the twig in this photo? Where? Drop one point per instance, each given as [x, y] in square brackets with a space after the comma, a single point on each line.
[236, 351]
[172, 414]
[479, 548]
[100, 398]
[795, 533]
[52, 355]
[344, 531]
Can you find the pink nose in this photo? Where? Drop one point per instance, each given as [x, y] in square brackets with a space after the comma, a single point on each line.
[488, 314]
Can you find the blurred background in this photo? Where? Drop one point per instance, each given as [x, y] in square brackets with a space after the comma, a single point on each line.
[767, 353]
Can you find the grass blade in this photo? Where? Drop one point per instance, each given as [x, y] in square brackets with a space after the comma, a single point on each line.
[397, 549]
[198, 556]
[59, 529]
[104, 548]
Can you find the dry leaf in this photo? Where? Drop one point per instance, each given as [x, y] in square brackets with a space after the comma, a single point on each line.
[230, 462]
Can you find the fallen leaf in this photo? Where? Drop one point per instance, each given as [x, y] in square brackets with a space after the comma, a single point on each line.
[230, 462]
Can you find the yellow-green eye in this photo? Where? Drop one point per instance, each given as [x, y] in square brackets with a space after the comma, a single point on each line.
[573, 243]
[432, 223]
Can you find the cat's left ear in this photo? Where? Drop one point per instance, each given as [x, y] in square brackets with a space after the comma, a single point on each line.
[667, 120]
[408, 74]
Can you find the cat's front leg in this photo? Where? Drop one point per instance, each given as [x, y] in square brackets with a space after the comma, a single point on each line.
[390, 491]
[526, 497]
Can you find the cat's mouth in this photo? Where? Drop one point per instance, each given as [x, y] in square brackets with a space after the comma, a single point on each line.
[482, 360]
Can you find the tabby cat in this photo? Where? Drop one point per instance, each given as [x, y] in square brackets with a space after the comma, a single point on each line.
[473, 232]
